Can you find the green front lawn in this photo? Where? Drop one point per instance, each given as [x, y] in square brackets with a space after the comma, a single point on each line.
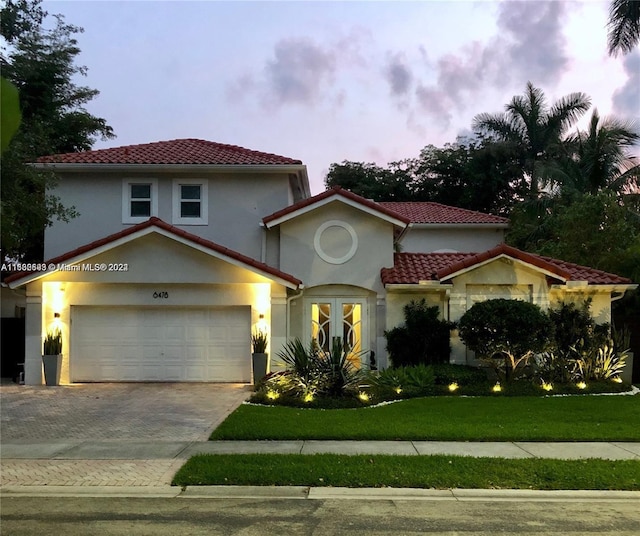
[407, 471]
[575, 418]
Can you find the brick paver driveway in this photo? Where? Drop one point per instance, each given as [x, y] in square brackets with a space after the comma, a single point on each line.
[106, 434]
[116, 411]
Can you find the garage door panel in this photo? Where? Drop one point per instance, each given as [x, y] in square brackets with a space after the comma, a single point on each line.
[160, 344]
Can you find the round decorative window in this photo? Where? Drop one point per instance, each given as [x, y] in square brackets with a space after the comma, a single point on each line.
[335, 242]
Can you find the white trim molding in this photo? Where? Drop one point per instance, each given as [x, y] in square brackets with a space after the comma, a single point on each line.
[176, 213]
[126, 200]
[323, 254]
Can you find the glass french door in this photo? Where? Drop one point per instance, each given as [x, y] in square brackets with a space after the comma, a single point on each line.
[338, 317]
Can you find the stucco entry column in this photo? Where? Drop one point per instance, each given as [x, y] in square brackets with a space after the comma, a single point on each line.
[278, 330]
[33, 336]
[457, 308]
[382, 359]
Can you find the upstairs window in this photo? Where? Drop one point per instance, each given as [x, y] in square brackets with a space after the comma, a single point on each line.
[190, 205]
[139, 200]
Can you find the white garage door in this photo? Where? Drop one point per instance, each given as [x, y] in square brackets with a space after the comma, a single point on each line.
[160, 344]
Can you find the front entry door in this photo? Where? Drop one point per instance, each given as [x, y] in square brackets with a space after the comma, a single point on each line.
[338, 317]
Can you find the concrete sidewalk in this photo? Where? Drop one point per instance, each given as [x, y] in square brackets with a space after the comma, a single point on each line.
[152, 464]
[182, 450]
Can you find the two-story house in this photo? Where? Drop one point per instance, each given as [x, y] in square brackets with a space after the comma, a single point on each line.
[182, 248]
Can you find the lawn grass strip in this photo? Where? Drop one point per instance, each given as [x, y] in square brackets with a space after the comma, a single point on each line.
[587, 418]
[439, 472]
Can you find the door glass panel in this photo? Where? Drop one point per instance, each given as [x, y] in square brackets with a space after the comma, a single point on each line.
[321, 324]
[352, 330]
[342, 319]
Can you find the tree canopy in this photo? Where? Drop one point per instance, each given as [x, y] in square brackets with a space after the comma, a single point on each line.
[41, 64]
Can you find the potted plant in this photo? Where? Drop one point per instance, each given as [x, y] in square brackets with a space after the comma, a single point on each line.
[259, 356]
[52, 357]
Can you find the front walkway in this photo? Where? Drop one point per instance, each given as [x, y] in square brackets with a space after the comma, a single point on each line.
[154, 463]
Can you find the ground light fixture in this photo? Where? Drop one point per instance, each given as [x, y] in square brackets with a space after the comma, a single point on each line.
[453, 386]
[581, 385]
[497, 388]
[547, 386]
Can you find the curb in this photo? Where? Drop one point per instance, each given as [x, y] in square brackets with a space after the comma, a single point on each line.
[323, 493]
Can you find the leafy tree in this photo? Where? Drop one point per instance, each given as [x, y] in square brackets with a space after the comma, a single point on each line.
[423, 339]
[371, 181]
[597, 231]
[476, 175]
[40, 62]
[624, 26]
[535, 128]
[505, 333]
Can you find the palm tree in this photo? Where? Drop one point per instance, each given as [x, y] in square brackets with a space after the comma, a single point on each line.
[537, 128]
[600, 157]
[624, 26]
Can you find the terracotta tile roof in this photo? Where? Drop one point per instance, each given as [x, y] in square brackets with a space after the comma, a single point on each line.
[428, 212]
[411, 268]
[340, 192]
[184, 151]
[157, 222]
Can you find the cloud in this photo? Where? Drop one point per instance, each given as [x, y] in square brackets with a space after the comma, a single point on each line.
[398, 74]
[299, 71]
[626, 100]
[529, 45]
[536, 42]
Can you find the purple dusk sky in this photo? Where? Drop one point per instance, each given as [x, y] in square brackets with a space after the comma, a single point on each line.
[331, 81]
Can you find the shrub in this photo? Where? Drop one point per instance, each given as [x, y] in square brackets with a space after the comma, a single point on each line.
[404, 382]
[423, 339]
[446, 373]
[576, 328]
[505, 334]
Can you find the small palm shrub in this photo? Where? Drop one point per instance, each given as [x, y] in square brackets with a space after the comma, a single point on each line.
[402, 382]
[312, 372]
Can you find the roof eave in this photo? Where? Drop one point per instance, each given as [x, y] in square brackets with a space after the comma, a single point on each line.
[608, 287]
[299, 169]
[271, 223]
[461, 225]
[83, 256]
[554, 274]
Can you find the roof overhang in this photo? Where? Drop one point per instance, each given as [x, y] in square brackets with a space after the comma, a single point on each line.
[426, 286]
[176, 168]
[464, 226]
[269, 224]
[585, 287]
[547, 272]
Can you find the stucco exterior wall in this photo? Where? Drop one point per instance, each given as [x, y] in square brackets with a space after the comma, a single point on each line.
[422, 239]
[374, 248]
[234, 216]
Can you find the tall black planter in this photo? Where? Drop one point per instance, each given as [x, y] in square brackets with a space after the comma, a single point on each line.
[259, 366]
[52, 365]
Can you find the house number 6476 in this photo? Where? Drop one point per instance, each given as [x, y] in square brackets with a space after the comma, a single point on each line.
[161, 295]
